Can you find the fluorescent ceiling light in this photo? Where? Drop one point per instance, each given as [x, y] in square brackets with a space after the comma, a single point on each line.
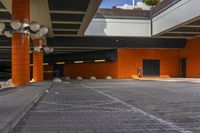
[100, 61]
[60, 63]
[76, 62]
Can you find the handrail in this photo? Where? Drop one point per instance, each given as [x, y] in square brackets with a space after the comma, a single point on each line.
[162, 6]
[122, 13]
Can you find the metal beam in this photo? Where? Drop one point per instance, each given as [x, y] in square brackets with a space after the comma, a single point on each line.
[65, 29]
[116, 42]
[66, 12]
[66, 22]
[192, 26]
[184, 32]
[91, 10]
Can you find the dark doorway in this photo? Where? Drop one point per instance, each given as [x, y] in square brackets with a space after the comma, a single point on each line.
[183, 67]
[58, 70]
[151, 67]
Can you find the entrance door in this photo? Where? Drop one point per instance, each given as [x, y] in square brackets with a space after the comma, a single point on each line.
[183, 67]
[58, 70]
[151, 67]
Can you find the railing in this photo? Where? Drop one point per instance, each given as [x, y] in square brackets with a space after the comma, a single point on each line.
[122, 13]
[162, 6]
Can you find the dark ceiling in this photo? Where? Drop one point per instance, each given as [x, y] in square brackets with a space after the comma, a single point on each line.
[187, 30]
[70, 18]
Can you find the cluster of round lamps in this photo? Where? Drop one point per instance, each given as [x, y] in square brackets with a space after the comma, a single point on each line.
[35, 30]
[17, 26]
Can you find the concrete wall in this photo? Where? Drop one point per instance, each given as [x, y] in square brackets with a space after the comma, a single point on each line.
[179, 13]
[119, 27]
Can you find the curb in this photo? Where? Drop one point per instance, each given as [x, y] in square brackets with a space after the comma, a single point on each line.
[21, 114]
[5, 89]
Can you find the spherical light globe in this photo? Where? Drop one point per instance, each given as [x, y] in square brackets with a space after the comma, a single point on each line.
[46, 49]
[51, 50]
[44, 30]
[16, 24]
[38, 34]
[2, 26]
[34, 26]
[37, 49]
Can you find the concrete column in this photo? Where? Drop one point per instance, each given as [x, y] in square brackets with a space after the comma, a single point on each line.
[21, 45]
[37, 62]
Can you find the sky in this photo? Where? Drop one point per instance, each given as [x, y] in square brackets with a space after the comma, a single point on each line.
[111, 3]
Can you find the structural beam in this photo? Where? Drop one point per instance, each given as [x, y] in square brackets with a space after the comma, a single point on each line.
[91, 10]
[67, 12]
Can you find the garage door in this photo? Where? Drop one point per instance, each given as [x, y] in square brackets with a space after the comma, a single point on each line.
[151, 67]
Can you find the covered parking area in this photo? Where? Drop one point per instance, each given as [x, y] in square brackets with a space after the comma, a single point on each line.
[145, 90]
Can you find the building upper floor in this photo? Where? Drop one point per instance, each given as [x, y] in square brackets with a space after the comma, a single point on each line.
[169, 19]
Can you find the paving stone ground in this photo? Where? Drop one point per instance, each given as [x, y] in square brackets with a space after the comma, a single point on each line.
[15, 102]
[116, 106]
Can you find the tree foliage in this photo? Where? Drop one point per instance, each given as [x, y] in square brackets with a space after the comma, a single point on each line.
[151, 2]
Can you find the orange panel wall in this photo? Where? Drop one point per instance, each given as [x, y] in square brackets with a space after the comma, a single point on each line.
[129, 60]
[86, 70]
[48, 72]
[192, 53]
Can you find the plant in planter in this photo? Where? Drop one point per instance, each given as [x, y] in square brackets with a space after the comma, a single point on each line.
[151, 3]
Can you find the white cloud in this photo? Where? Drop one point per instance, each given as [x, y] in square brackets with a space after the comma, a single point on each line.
[126, 6]
[139, 5]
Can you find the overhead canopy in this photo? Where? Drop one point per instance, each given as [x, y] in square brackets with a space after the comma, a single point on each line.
[64, 18]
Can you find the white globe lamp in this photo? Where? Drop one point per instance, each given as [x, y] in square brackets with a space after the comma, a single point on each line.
[16, 24]
[34, 26]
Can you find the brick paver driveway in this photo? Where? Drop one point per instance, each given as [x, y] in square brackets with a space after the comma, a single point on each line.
[116, 106]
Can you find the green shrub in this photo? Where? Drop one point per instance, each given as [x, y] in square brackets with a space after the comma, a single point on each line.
[151, 2]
